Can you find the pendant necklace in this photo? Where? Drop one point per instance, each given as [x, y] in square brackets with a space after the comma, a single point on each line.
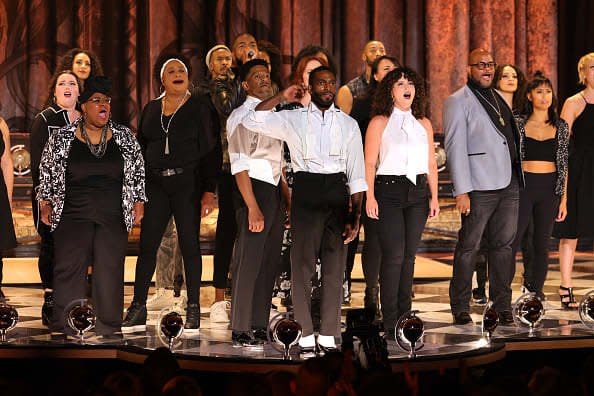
[166, 130]
[497, 109]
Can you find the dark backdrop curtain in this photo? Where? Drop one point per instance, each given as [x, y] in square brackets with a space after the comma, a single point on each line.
[432, 36]
[576, 38]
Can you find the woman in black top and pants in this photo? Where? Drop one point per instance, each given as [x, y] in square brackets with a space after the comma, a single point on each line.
[177, 133]
[64, 89]
[91, 192]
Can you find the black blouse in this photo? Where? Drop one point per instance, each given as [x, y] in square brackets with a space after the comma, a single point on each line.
[193, 135]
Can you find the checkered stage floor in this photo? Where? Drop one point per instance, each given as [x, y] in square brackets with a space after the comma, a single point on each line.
[431, 299]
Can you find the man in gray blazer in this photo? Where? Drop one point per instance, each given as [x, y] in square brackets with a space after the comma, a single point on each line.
[482, 145]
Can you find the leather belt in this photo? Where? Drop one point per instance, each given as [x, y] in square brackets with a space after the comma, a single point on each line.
[169, 172]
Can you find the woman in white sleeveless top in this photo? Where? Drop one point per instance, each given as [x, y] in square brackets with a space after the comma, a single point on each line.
[401, 173]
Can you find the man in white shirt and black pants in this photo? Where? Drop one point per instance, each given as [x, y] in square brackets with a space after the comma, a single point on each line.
[327, 157]
[256, 163]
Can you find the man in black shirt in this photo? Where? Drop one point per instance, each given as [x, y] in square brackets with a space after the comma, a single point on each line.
[482, 145]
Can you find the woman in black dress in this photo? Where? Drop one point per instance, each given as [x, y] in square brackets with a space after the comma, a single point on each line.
[177, 132]
[578, 111]
[63, 94]
[7, 236]
[91, 193]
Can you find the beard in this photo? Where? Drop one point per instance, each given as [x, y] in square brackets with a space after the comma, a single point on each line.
[322, 102]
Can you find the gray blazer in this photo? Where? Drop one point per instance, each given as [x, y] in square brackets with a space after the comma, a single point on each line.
[477, 152]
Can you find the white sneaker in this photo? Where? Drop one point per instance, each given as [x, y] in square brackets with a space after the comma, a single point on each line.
[182, 300]
[218, 312]
[308, 341]
[162, 299]
[326, 341]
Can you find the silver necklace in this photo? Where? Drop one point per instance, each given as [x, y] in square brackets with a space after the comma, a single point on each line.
[497, 110]
[98, 150]
[166, 130]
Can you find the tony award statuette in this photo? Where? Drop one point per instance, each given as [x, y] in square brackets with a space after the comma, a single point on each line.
[9, 318]
[80, 317]
[171, 326]
[285, 332]
[586, 310]
[489, 323]
[409, 333]
[528, 311]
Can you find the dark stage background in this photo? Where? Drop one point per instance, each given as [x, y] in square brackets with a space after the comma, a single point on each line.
[433, 36]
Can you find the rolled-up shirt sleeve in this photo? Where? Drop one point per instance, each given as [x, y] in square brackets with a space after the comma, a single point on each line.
[268, 123]
[355, 163]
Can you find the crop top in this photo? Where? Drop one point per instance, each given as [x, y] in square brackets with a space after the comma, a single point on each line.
[540, 150]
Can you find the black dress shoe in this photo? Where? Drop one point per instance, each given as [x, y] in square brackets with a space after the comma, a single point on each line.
[479, 297]
[461, 318]
[261, 334]
[48, 308]
[506, 318]
[326, 349]
[244, 339]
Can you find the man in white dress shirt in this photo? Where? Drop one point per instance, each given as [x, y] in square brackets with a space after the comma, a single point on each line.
[256, 163]
[327, 158]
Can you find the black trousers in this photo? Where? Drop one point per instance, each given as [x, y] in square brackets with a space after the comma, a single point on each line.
[403, 209]
[496, 213]
[318, 215]
[257, 260]
[78, 243]
[167, 195]
[226, 230]
[539, 202]
[45, 263]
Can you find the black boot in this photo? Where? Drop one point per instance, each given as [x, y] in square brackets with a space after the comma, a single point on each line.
[192, 318]
[371, 300]
[135, 318]
[48, 307]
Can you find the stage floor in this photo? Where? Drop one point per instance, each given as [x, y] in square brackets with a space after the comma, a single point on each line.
[446, 345]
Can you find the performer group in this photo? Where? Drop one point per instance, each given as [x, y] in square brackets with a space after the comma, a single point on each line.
[312, 158]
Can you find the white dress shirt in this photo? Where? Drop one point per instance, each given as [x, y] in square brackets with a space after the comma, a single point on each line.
[260, 155]
[404, 149]
[325, 143]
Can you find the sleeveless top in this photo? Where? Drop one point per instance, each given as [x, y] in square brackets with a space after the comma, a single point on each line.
[404, 149]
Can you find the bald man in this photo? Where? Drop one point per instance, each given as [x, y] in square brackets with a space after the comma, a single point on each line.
[482, 145]
[358, 85]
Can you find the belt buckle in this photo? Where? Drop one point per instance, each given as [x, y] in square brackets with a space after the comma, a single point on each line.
[169, 172]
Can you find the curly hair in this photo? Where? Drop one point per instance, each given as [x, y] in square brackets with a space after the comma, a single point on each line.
[383, 104]
[520, 94]
[68, 60]
[164, 58]
[538, 81]
[51, 99]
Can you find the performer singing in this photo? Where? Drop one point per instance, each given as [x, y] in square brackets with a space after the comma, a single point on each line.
[63, 94]
[256, 162]
[327, 156]
[177, 134]
[91, 192]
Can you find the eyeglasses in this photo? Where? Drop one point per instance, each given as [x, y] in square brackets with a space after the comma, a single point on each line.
[101, 101]
[484, 65]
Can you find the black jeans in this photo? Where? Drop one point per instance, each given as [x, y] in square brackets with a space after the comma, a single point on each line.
[403, 209]
[45, 263]
[319, 209]
[226, 230]
[167, 195]
[496, 213]
[539, 202]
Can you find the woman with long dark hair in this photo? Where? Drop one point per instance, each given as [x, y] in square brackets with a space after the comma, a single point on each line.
[64, 89]
[84, 63]
[545, 141]
[401, 174]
